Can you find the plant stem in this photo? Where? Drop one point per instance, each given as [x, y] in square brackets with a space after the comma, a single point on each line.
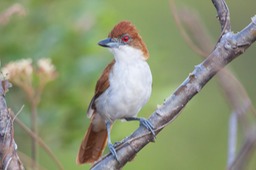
[34, 130]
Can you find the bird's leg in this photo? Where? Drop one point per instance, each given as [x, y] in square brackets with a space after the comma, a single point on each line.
[110, 145]
[144, 122]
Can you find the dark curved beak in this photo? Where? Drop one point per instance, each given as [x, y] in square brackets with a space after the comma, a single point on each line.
[109, 43]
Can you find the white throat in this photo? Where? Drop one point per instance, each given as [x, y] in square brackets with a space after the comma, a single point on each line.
[127, 54]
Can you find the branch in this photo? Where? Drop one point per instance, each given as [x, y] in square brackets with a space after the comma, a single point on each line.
[199, 41]
[8, 148]
[227, 49]
[223, 15]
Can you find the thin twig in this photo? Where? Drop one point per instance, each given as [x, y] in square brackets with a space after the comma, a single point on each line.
[232, 139]
[17, 114]
[35, 131]
[223, 15]
[183, 32]
[27, 161]
[40, 142]
[246, 151]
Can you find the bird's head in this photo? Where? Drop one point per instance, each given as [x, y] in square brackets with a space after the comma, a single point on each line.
[125, 39]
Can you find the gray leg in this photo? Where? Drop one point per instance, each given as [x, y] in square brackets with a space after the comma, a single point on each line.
[110, 145]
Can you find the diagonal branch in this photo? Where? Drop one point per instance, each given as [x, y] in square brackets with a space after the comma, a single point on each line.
[233, 90]
[227, 49]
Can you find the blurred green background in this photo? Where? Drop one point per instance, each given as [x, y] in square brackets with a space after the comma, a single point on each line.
[68, 32]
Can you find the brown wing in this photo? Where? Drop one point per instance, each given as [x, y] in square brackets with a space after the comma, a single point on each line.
[103, 82]
[101, 86]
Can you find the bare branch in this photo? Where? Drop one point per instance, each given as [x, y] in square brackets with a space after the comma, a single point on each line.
[223, 15]
[227, 49]
[233, 90]
[200, 42]
[8, 148]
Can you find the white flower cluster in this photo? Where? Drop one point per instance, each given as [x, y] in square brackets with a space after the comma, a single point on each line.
[29, 78]
[18, 71]
[46, 70]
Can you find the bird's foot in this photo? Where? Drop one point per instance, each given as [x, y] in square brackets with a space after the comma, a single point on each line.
[113, 151]
[148, 125]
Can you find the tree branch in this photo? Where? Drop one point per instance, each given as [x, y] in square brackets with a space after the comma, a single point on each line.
[223, 15]
[233, 90]
[8, 148]
[229, 46]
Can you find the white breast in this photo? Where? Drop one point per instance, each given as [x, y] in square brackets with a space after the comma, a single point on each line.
[130, 85]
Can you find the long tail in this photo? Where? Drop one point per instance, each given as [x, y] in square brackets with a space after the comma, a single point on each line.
[93, 143]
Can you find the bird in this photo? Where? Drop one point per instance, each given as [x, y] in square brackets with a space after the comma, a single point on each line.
[122, 90]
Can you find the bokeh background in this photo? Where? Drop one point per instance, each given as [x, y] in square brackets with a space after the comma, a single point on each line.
[67, 32]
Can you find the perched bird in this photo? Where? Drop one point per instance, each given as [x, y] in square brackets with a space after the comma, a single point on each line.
[122, 90]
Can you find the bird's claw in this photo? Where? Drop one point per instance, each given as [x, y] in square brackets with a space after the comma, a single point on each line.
[112, 151]
[147, 124]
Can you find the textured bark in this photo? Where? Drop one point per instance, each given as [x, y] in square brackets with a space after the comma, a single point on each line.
[8, 148]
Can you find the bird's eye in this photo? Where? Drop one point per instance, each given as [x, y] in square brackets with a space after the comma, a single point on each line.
[125, 38]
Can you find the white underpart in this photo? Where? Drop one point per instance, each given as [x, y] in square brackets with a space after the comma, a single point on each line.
[130, 85]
